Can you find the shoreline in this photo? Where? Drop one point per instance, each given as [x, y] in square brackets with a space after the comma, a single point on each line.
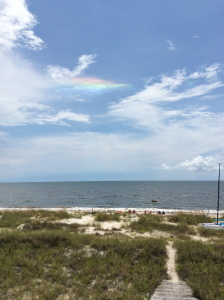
[146, 210]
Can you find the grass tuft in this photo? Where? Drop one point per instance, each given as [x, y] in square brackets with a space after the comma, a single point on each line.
[103, 217]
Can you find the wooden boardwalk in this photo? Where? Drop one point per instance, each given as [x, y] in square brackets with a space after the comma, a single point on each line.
[173, 290]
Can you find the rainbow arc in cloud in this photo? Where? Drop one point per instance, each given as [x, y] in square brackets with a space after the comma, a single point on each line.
[91, 84]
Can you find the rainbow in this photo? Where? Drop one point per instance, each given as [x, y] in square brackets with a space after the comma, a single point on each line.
[91, 84]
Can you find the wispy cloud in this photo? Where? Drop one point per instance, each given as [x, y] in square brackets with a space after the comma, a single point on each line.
[146, 108]
[61, 118]
[62, 75]
[177, 122]
[16, 26]
[171, 45]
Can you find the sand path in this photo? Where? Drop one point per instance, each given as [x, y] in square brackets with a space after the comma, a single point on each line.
[171, 270]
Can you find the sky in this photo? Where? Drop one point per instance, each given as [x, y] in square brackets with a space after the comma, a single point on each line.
[111, 90]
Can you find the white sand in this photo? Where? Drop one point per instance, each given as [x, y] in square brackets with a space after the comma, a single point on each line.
[171, 270]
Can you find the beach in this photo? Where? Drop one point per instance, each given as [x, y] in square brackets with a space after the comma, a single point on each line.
[131, 210]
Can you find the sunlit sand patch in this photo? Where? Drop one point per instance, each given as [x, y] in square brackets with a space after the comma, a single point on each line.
[85, 220]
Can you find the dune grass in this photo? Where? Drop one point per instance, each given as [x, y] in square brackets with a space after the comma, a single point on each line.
[47, 259]
[104, 217]
[11, 219]
[55, 264]
[201, 265]
[189, 219]
[148, 223]
[208, 232]
[45, 225]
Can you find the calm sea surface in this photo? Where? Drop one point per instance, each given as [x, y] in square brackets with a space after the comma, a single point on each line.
[169, 194]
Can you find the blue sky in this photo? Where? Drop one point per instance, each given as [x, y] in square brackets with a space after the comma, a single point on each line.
[111, 90]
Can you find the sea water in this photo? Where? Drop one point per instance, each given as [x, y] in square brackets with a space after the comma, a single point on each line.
[108, 194]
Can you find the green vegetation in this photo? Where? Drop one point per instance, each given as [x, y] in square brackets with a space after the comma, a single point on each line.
[190, 219]
[40, 225]
[14, 218]
[148, 223]
[103, 217]
[201, 265]
[54, 264]
[48, 259]
[208, 232]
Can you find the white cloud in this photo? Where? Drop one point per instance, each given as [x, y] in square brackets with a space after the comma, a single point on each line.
[200, 164]
[197, 164]
[164, 166]
[16, 24]
[171, 45]
[61, 74]
[209, 73]
[61, 117]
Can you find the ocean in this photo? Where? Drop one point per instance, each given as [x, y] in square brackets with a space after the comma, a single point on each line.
[191, 195]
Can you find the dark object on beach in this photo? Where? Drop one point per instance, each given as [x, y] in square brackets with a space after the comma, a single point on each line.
[159, 212]
[154, 200]
[133, 211]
